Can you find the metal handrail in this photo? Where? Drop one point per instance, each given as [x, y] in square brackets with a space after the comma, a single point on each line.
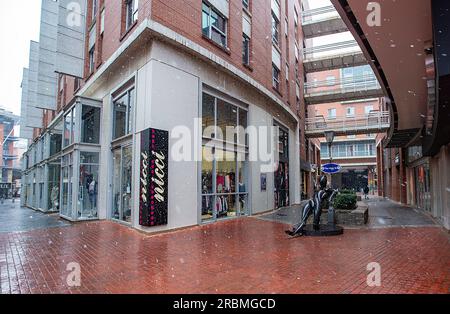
[317, 11]
[375, 120]
[330, 47]
[343, 81]
[345, 85]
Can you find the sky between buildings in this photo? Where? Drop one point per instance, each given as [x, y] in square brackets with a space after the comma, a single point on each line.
[19, 23]
[15, 35]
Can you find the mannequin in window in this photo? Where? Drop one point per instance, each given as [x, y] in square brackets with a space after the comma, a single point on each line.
[54, 196]
[92, 190]
[242, 189]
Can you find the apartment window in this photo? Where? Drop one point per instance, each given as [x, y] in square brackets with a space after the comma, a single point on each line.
[350, 111]
[332, 113]
[275, 77]
[94, 9]
[246, 4]
[275, 30]
[246, 49]
[92, 41]
[76, 84]
[131, 12]
[331, 80]
[122, 118]
[368, 109]
[214, 25]
[92, 59]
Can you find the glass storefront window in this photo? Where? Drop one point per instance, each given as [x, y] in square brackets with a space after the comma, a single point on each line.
[208, 117]
[68, 124]
[122, 117]
[54, 173]
[226, 121]
[66, 187]
[225, 172]
[224, 175]
[122, 183]
[56, 138]
[90, 125]
[88, 185]
[243, 138]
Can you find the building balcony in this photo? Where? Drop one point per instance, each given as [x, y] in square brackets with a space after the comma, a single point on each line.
[374, 122]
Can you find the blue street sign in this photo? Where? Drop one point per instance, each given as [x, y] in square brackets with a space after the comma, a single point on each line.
[331, 168]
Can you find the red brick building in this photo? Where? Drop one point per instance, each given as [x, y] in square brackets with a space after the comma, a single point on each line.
[162, 64]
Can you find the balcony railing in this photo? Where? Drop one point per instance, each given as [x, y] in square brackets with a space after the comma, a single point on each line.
[374, 122]
[313, 15]
[12, 139]
[331, 49]
[342, 86]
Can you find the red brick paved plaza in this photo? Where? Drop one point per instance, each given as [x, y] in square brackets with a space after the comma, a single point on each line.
[238, 256]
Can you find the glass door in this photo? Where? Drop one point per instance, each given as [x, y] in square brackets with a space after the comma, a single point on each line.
[122, 183]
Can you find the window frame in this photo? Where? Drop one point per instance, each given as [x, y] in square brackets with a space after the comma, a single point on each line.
[332, 110]
[276, 78]
[211, 26]
[276, 30]
[91, 60]
[94, 8]
[245, 49]
[246, 4]
[129, 124]
[350, 114]
[131, 13]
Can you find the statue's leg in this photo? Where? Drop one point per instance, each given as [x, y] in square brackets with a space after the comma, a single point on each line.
[317, 212]
[307, 211]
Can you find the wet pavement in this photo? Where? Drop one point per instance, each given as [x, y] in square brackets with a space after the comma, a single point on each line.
[15, 218]
[382, 213]
[246, 255]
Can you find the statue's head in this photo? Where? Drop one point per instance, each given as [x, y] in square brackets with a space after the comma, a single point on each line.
[323, 181]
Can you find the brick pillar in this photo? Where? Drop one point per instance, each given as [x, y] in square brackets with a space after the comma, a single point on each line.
[380, 167]
[403, 186]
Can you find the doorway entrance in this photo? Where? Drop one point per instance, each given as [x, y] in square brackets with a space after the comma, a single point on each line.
[281, 177]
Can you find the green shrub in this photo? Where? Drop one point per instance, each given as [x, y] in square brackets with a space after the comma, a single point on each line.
[345, 201]
[347, 192]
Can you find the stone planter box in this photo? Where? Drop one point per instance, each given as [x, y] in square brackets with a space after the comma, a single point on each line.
[343, 217]
[356, 217]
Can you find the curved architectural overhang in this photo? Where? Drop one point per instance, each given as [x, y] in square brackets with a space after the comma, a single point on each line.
[396, 52]
[438, 134]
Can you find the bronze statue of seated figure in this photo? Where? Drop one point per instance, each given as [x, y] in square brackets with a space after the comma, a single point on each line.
[314, 206]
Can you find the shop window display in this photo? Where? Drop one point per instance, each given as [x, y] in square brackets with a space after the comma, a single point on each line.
[224, 169]
[66, 187]
[122, 185]
[88, 185]
[54, 172]
[207, 185]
